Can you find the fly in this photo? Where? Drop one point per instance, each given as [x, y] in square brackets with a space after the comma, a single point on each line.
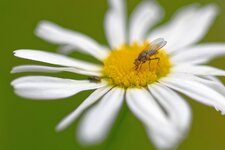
[146, 54]
[95, 79]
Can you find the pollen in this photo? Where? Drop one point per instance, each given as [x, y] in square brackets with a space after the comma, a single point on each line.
[119, 68]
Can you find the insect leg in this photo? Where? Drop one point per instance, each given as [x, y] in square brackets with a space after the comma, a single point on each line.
[156, 58]
[138, 67]
[149, 64]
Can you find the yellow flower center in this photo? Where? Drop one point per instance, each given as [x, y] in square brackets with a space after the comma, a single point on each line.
[119, 68]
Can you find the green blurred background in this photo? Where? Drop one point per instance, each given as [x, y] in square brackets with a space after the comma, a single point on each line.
[27, 124]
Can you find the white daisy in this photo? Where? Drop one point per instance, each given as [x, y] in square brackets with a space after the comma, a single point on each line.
[149, 89]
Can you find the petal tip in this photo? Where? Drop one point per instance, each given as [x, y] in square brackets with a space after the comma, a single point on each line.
[59, 128]
[12, 71]
[213, 8]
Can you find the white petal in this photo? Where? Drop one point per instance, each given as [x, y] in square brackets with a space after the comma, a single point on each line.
[55, 59]
[56, 34]
[158, 127]
[177, 22]
[216, 85]
[187, 27]
[43, 87]
[205, 91]
[67, 49]
[95, 96]
[144, 17]
[39, 68]
[214, 79]
[199, 54]
[176, 107]
[115, 23]
[97, 122]
[198, 70]
[198, 27]
[163, 141]
[142, 98]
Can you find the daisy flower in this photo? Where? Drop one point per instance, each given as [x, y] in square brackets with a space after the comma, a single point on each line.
[138, 67]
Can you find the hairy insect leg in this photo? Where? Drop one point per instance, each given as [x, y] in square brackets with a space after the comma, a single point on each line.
[149, 65]
[156, 58]
[138, 67]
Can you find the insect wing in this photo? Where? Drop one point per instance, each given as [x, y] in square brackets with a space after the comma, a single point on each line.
[146, 48]
[157, 44]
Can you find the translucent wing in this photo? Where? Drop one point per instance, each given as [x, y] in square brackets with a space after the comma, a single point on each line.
[146, 47]
[157, 44]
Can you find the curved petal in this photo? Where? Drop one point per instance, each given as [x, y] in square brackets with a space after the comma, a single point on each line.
[216, 85]
[199, 54]
[214, 79]
[56, 34]
[97, 122]
[115, 23]
[67, 49]
[144, 17]
[142, 98]
[187, 27]
[55, 59]
[159, 127]
[163, 141]
[40, 68]
[94, 97]
[198, 28]
[43, 87]
[168, 30]
[175, 106]
[205, 91]
[198, 70]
